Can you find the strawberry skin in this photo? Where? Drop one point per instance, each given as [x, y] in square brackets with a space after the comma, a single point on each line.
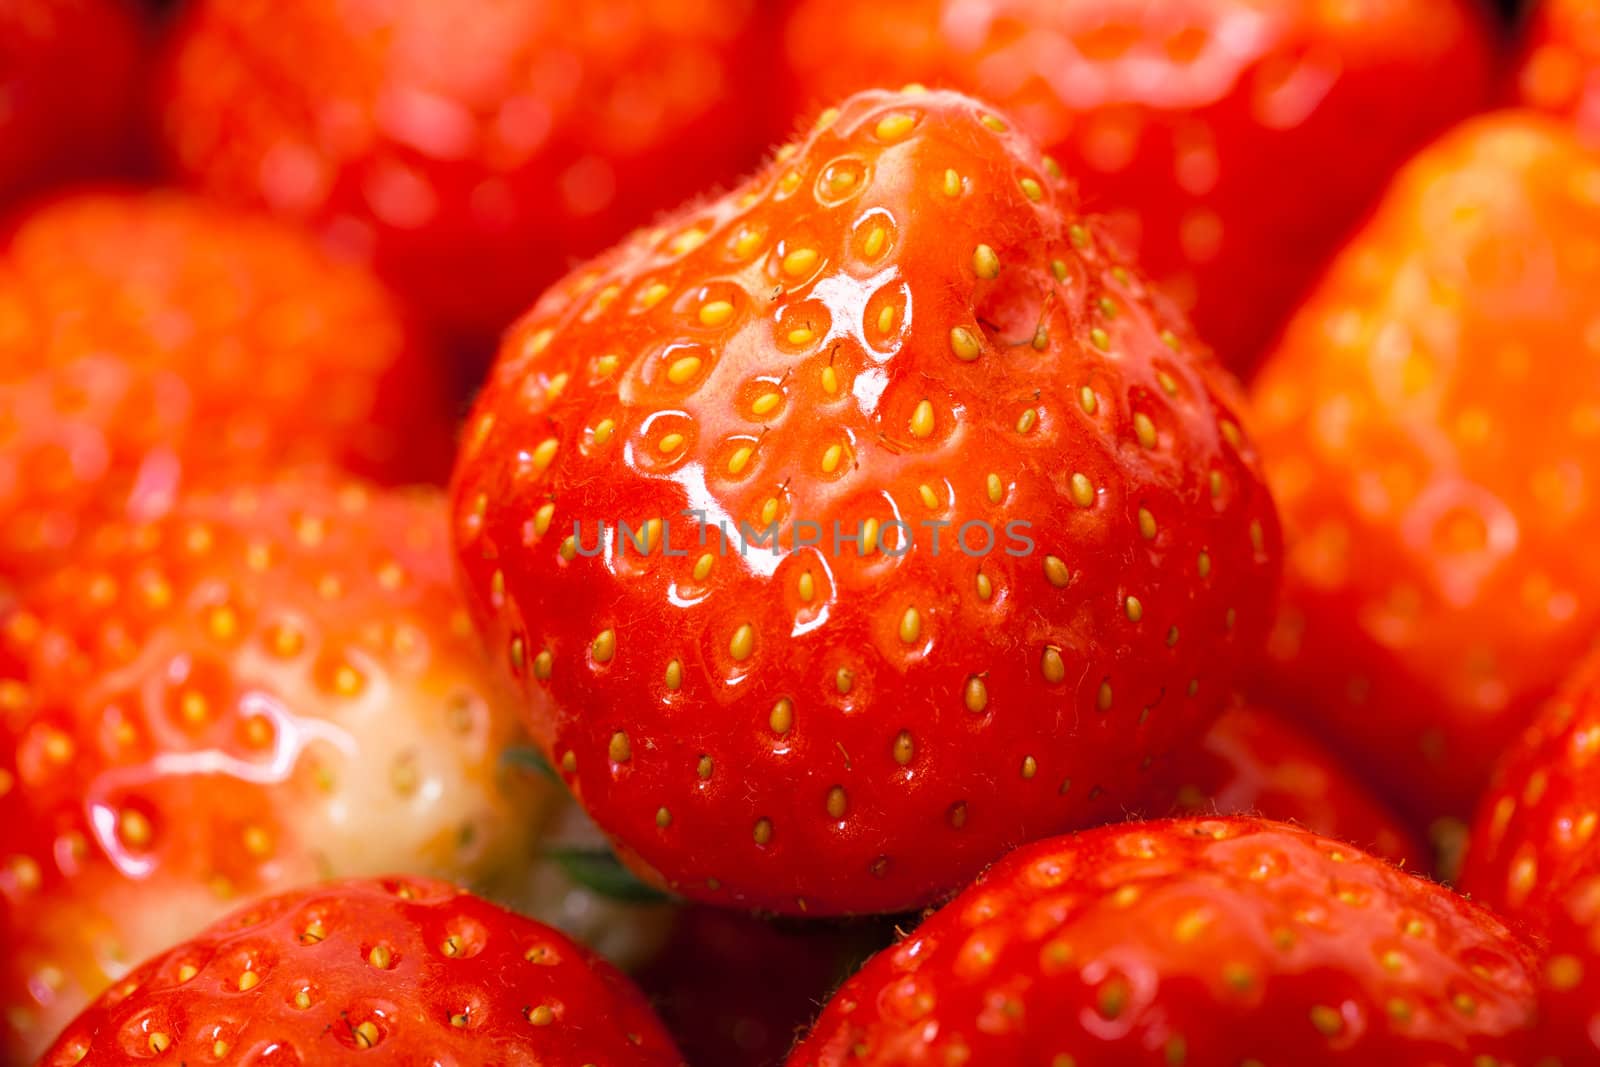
[1201, 943]
[1431, 420]
[270, 685]
[146, 338]
[471, 148]
[1559, 70]
[1254, 762]
[71, 75]
[1533, 856]
[1233, 142]
[398, 971]
[902, 319]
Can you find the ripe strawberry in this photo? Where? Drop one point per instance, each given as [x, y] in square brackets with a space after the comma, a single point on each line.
[270, 685]
[904, 319]
[1206, 943]
[1534, 858]
[471, 147]
[399, 972]
[148, 337]
[1233, 142]
[1560, 66]
[71, 73]
[1252, 762]
[1431, 421]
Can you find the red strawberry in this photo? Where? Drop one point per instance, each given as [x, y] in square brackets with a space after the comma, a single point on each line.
[70, 77]
[396, 972]
[470, 147]
[1252, 762]
[904, 319]
[1534, 856]
[271, 685]
[1202, 943]
[1431, 421]
[1234, 142]
[145, 337]
[1560, 66]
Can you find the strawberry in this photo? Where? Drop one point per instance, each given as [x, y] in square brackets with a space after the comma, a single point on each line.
[1430, 421]
[398, 972]
[71, 72]
[1233, 142]
[1559, 69]
[1205, 943]
[903, 319]
[148, 337]
[272, 684]
[1534, 858]
[1252, 762]
[471, 147]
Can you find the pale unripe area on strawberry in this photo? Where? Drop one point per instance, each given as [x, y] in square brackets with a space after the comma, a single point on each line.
[275, 683]
[904, 320]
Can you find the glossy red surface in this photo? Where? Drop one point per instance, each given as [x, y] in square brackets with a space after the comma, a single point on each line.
[393, 972]
[272, 685]
[1232, 143]
[1431, 424]
[903, 319]
[1207, 943]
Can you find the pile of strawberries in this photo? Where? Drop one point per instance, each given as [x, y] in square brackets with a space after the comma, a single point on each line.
[1085, 556]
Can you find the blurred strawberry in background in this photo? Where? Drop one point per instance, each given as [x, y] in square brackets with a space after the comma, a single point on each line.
[274, 684]
[1254, 762]
[1560, 65]
[71, 86]
[148, 337]
[1233, 142]
[474, 149]
[1431, 422]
